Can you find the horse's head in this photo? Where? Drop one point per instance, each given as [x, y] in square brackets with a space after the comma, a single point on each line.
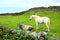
[32, 16]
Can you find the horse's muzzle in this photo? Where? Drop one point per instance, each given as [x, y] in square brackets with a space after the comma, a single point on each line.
[30, 19]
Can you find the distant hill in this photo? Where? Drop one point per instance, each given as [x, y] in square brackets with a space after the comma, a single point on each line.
[52, 8]
[47, 8]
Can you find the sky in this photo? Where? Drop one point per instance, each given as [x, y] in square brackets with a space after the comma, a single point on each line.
[11, 6]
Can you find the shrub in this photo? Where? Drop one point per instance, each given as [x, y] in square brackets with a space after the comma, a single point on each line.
[5, 35]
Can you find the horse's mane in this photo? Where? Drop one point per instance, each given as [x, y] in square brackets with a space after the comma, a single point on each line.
[36, 15]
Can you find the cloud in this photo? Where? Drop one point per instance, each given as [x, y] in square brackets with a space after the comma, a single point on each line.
[19, 5]
[26, 3]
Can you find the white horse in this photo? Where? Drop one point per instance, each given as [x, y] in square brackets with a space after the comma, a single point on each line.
[39, 19]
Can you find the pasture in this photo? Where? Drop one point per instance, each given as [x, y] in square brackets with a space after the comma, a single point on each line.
[12, 22]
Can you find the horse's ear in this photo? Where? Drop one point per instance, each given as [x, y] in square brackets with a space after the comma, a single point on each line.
[32, 14]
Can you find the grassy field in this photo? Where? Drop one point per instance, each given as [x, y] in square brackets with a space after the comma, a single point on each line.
[13, 21]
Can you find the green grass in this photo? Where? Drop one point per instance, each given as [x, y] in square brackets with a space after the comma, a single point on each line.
[13, 21]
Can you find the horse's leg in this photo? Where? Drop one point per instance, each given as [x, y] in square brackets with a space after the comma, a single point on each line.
[47, 26]
[36, 25]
